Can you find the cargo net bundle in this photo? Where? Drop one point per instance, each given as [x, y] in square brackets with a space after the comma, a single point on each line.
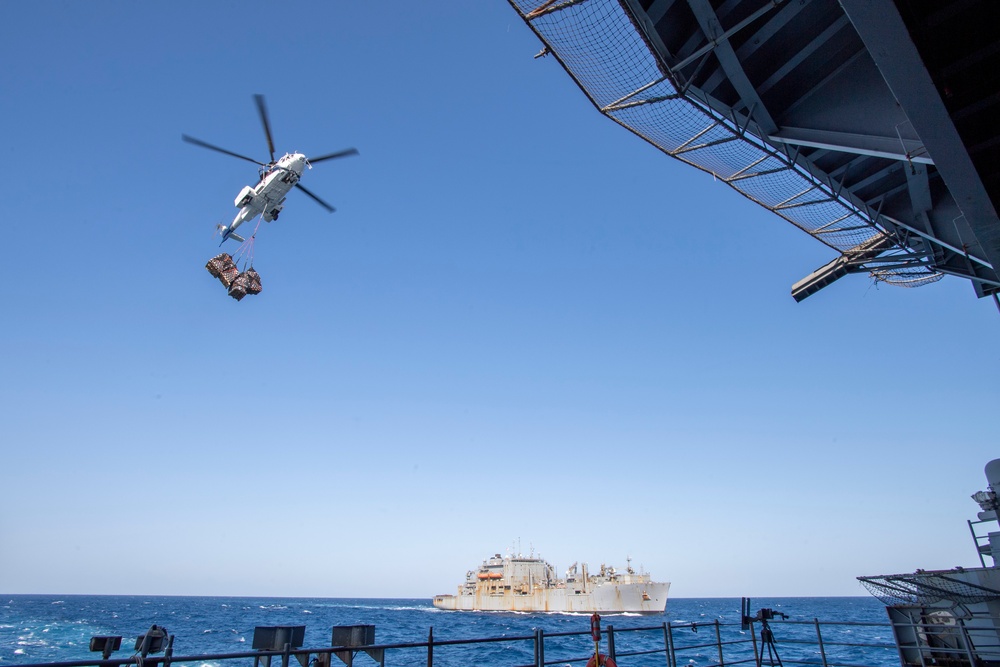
[224, 267]
[926, 588]
[238, 283]
[601, 48]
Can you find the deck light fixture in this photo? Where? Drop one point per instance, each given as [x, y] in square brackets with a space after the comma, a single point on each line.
[105, 644]
[356, 638]
[151, 642]
[277, 638]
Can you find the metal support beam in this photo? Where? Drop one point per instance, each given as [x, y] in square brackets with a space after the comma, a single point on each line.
[840, 267]
[657, 10]
[920, 189]
[778, 21]
[858, 144]
[888, 41]
[710, 25]
[789, 65]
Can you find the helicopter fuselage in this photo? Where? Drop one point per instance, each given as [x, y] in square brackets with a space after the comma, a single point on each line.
[267, 198]
[277, 178]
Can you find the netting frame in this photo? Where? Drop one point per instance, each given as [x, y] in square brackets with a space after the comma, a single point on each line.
[850, 229]
[926, 588]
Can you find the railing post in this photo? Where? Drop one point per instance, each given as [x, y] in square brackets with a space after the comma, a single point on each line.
[430, 647]
[918, 629]
[611, 643]
[718, 642]
[753, 637]
[673, 645]
[967, 642]
[539, 648]
[169, 653]
[819, 638]
[666, 645]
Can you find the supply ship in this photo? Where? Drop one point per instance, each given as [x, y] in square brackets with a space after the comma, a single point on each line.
[527, 583]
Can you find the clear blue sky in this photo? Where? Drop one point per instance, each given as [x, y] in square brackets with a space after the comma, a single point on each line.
[522, 323]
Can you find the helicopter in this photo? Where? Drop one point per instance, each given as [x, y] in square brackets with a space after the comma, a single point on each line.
[277, 178]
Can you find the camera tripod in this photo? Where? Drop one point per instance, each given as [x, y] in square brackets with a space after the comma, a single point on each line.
[766, 635]
[767, 640]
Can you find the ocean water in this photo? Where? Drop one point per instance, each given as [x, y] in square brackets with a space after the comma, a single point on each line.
[41, 628]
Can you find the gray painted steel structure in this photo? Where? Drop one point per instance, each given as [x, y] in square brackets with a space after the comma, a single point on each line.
[950, 616]
[888, 107]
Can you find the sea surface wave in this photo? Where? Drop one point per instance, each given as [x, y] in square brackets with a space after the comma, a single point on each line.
[39, 628]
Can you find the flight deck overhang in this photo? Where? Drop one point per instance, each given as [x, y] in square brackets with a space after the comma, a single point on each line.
[868, 124]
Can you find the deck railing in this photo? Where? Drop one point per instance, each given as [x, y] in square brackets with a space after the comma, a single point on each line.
[710, 644]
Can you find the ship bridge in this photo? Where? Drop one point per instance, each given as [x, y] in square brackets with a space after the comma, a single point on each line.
[868, 124]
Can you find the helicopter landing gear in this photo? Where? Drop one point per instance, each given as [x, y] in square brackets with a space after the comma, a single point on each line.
[270, 215]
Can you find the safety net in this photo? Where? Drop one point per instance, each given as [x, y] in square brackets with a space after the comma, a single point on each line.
[599, 45]
[927, 588]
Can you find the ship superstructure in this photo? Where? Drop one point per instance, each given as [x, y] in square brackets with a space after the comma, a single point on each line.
[529, 583]
[951, 617]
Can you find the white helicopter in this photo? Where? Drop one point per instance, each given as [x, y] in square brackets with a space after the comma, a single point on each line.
[277, 178]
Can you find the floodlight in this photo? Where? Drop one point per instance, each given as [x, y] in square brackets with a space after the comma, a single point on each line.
[353, 635]
[152, 641]
[105, 644]
[356, 638]
[274, 638]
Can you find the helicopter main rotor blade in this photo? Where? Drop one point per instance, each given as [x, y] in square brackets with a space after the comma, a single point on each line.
[317, 199]
[262, 110]
[331, 156]
[205, 144]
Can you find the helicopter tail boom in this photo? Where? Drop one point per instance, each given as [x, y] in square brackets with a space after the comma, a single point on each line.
[227, 234]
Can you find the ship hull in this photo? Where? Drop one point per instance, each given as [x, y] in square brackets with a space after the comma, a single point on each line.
[608, 598]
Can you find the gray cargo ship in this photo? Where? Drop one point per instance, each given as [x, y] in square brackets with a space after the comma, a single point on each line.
[527, 583]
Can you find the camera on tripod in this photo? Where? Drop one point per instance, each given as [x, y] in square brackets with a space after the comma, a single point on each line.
[766, 614]
[762, 616]
[766, 635]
